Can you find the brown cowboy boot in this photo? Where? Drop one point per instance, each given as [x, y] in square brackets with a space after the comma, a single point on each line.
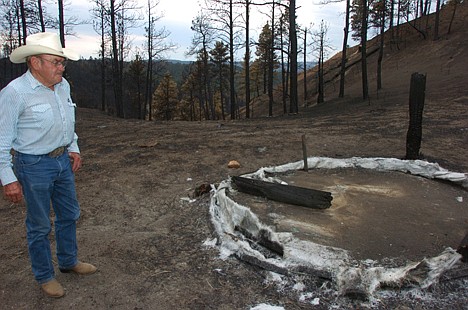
[82, 269]
[53, 289]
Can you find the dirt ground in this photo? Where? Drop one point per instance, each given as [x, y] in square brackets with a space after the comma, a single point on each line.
[147, 241]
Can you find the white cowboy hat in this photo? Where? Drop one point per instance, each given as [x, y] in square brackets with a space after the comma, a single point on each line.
[42, 43]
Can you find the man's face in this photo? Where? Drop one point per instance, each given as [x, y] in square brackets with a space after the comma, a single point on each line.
[48, 69]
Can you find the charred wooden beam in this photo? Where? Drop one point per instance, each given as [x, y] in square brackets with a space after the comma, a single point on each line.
[262, 239]
[252, 260]
[290, 194]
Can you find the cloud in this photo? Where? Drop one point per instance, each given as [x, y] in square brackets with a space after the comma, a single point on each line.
[177, 16]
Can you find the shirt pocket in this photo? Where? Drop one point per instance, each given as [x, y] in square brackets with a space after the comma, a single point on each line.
[43, 115]
[71, 106]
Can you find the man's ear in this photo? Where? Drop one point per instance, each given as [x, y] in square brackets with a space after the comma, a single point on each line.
[34, 62]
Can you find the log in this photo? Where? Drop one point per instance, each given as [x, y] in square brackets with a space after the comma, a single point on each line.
[463, 249]
[290, 194]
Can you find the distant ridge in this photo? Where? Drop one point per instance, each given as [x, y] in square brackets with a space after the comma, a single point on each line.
[309, 64]
[176, 61]
[442, 60]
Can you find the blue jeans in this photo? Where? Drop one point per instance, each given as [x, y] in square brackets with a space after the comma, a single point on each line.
[45, 181]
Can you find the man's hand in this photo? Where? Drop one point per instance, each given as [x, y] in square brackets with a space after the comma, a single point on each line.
[75, 160]
[13, 192]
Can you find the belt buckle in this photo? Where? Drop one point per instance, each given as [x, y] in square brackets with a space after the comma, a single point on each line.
[57, 152]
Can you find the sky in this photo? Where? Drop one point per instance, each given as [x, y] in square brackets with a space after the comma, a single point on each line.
[177, 16]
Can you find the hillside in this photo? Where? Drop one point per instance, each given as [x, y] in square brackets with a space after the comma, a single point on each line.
[444, 62]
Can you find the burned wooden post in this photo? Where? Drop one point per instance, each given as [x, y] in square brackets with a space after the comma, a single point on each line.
[295, 195]
[463, 249]
[304, 152]
[416, 106]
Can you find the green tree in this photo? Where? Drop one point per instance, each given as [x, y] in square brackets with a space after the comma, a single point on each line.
[188, 109]
[220, 58]
[267, 62]
[165, 99]
[263, 54]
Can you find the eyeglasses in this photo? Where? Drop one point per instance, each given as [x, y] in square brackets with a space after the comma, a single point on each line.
[56, 63]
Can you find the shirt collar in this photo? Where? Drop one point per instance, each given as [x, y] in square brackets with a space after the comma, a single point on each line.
[35, 83]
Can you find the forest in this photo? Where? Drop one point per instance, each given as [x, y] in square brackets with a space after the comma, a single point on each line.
[217, 85]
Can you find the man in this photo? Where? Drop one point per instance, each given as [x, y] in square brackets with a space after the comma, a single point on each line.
[39, 155]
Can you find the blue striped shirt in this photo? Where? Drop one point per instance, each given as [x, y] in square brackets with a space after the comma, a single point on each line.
[34, 120]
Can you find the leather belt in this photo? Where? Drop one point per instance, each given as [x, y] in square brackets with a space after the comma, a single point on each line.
[55, 153]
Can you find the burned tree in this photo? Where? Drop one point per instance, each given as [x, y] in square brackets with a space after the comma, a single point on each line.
[416, 106]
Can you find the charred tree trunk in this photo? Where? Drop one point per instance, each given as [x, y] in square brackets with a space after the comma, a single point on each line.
[381, 49]
[436, 23]
[321, 82]
[454, 4]
[305, 68]
[61, 22]
[343, 52]
[41, 15]
[103, 64]
[232, 81]
[247, 60]
[416, 106]
[293, 97]
[116, 73]
[365, 87]
[283, 72]
[271, 59]
[23, 23]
